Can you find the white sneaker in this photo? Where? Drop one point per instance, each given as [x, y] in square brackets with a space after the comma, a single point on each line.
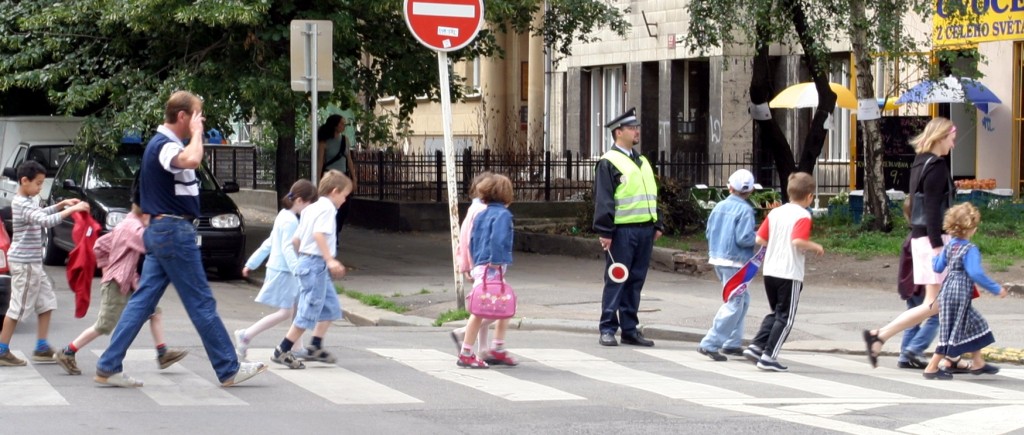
[246, 371]
[118, 380]
[241, 348]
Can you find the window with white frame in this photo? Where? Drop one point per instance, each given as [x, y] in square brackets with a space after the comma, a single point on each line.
[607, 96]
[837, 146]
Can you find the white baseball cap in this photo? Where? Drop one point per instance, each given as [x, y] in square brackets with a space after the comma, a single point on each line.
[742, 181]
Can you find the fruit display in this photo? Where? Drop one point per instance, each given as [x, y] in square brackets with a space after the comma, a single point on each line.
[983, 184]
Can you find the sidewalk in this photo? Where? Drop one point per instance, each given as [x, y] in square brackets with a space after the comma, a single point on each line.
[564, 293]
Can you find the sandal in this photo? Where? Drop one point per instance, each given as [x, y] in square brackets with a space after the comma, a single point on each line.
[987, 369]
[958, 365]
[869, 341]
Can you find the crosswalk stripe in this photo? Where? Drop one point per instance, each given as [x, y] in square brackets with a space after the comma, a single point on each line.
[442, 366]
[999, 419]
[749, 373]
[175, 385]
[600, 369]
[914, 378]
[1011, 373]
[799, 418]
[25, 386]
[334, 383]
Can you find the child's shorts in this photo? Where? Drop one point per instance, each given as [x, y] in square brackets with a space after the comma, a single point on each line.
[30, 290]
[921, 250]
[112, 304]
[318, 301]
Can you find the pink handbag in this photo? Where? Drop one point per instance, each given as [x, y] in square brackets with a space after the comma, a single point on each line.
[492, 298]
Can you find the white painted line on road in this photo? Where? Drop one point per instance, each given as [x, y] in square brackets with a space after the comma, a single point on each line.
[491, 381]
[175, 385]
[25, 386]
[956, 386]
[1011, 373]
[334, 383]
[443, 10]
[1001, 419]
[799, 418]
[600, 369]
[750, 373]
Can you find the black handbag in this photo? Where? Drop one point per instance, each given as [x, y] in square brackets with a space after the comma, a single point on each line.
[917, 213]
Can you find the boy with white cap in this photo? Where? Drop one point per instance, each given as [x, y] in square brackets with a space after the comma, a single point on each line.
[731, 240]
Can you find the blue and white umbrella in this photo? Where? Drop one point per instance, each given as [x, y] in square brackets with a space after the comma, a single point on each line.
[951, 90]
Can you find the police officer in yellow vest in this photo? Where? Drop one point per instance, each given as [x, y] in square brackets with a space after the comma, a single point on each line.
[626, 219]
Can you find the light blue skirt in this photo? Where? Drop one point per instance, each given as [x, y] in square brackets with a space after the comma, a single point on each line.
[280, 289]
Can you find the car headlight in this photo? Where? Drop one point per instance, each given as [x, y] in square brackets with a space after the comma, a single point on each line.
[229, 220]
[114, 218]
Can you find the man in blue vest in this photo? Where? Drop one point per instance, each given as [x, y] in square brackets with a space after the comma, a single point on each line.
[626, 220]
[169, 193]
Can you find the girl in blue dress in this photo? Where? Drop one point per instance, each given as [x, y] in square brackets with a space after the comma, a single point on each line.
[280, 286]
[961, 327]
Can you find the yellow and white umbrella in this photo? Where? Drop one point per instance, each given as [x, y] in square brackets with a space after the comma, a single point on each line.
[802, 95]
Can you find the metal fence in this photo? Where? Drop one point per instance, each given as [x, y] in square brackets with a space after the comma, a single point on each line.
[539, 176]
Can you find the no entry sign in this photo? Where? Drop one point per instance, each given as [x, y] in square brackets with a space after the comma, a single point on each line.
[444, 25]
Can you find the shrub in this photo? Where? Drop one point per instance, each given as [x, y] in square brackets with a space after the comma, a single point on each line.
[678, 209]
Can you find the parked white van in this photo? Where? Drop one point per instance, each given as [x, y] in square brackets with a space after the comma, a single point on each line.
[44, 139]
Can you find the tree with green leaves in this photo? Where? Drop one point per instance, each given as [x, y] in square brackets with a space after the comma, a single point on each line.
[871, 26]
[116, 61]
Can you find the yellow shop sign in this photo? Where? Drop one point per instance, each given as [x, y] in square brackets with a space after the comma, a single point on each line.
[982, 21]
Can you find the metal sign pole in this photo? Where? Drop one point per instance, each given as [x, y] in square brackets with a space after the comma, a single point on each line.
[311, 32]
[449, 164]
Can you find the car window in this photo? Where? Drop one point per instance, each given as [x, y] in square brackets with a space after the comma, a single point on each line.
[48, 156]
[72, 170]
[119, 172]
[113, 173]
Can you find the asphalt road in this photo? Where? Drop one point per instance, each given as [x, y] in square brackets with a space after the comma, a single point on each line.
[404, 380]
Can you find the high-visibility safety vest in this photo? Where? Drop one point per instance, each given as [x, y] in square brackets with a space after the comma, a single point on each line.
[636, 197]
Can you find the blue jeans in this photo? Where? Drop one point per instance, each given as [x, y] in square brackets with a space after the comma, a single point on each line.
[727, 328]
[172, 256]
[918, 338]
[318, 301]
[631, 246]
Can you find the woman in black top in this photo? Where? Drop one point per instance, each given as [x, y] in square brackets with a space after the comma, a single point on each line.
[929, 174]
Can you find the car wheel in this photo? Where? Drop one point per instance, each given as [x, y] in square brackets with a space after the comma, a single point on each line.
[53, 255]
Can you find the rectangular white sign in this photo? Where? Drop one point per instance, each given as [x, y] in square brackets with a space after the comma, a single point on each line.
[443, 10]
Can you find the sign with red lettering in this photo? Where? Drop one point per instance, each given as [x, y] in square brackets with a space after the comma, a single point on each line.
[444, 25]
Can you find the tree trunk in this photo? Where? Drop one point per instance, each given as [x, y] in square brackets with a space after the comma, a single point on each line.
[819, 68]
[875, 199]
[772, 139]
[287, 160]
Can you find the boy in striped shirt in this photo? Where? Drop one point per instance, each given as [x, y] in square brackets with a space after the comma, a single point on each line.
[30, 287]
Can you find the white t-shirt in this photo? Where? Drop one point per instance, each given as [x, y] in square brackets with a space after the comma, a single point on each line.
[318, 217]
[783, 225]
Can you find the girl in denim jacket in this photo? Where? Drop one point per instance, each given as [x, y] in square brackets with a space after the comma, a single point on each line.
[491, 249]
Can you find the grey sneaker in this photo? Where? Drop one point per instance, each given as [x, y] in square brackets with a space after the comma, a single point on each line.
[752, 354]
[246, 370]
[170, 357]
[241, 347]
[321, 355]
[68, 363]
[118, 380]
[45, 355]
[287, 359]
[7, 359]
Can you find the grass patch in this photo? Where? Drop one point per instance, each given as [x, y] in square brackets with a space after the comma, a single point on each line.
[682, 243]
[424, 292]
[451, 315]
[373, 300]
